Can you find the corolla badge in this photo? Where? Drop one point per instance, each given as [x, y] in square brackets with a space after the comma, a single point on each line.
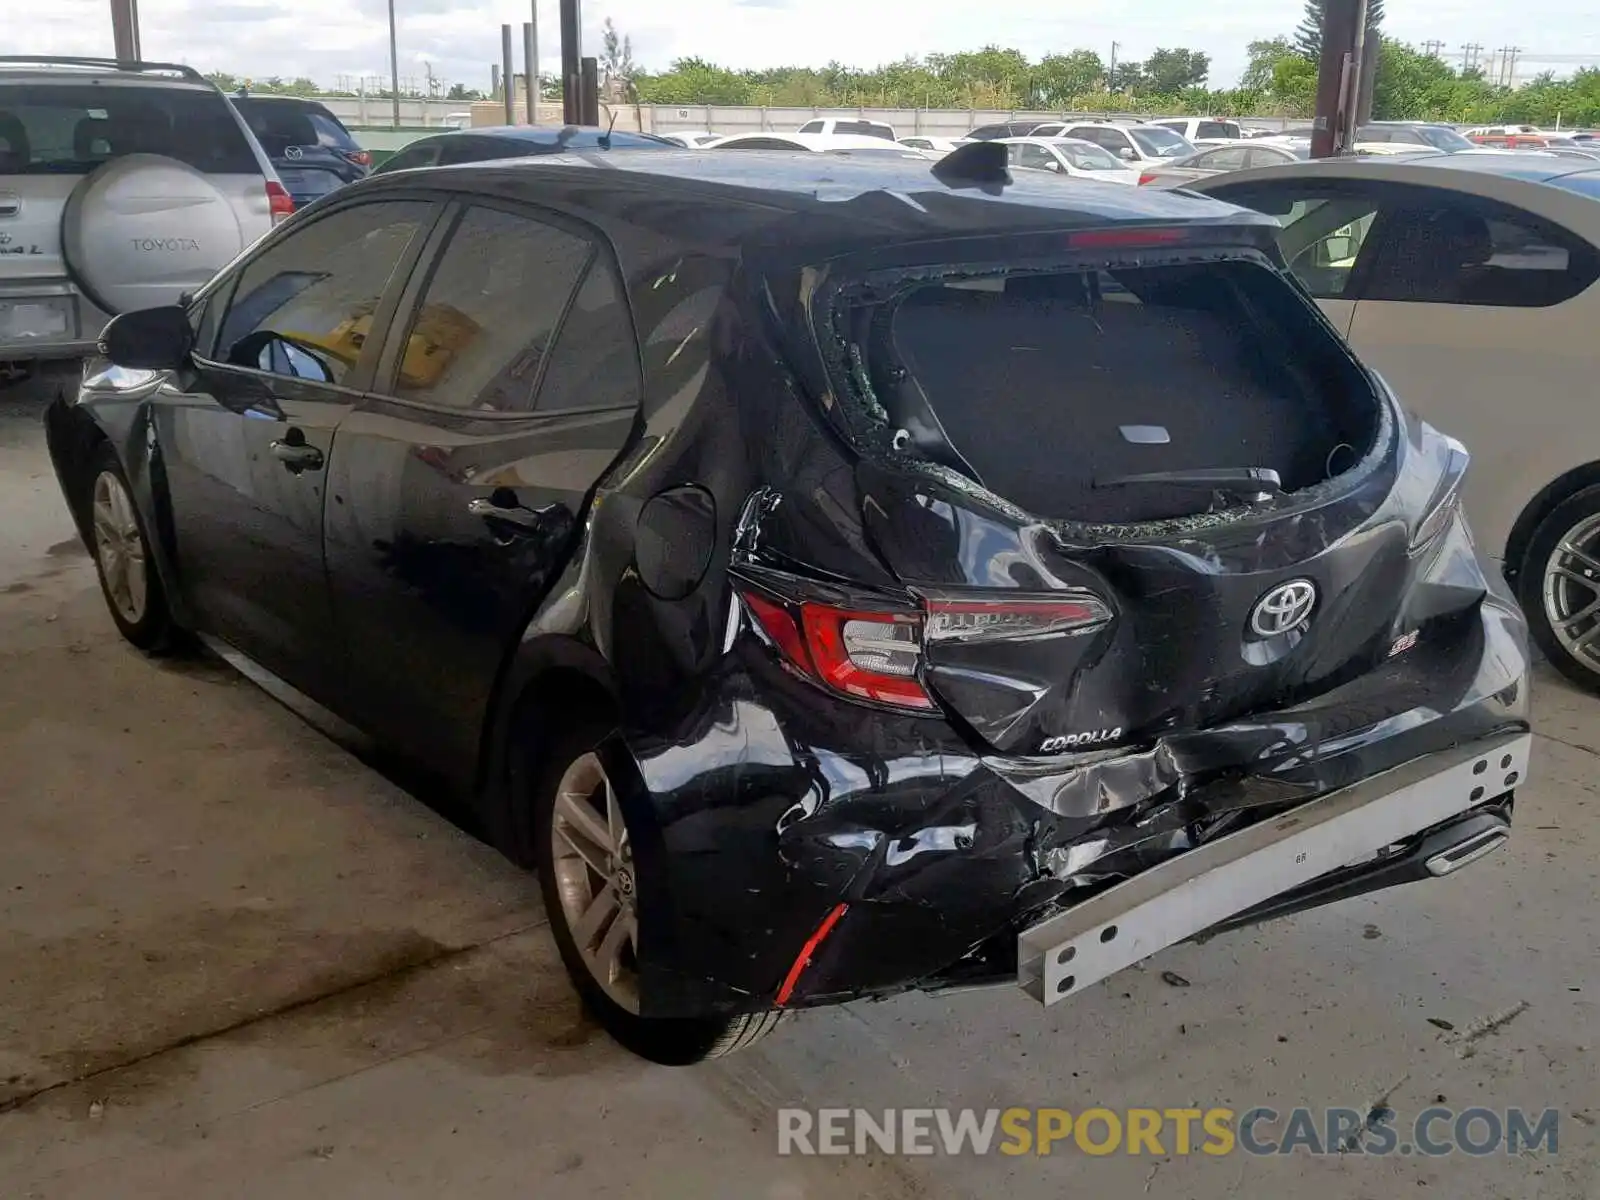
[1285, 607]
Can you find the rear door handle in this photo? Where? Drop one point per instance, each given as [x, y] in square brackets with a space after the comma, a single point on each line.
[500, 508]
[293, 452]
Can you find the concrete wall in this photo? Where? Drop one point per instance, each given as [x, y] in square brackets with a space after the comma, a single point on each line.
[719, 118]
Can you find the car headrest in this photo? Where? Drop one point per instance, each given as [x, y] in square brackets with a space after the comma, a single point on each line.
[15, 150]
[91, 138]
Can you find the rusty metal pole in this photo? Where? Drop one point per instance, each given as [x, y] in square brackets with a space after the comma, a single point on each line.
[1371, 49]
[589, 81]
[508, 76]
[1338, 75]
[530, 58]
[125, 29]
[571, 67]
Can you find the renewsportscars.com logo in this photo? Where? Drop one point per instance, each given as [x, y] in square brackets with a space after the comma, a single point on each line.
[1433, 1132]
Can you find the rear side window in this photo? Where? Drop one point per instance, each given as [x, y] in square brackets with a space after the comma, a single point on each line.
[70, 129]
[304, 307]
[422, 155]
[1477, 253]
[811, 127]
[278, 125]
[496, 294]
[595, 363]
[1215, 129]
[864, 129]
[330, 131]
[1049, 387]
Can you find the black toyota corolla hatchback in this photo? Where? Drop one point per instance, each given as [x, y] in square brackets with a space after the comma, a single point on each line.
[832, 577]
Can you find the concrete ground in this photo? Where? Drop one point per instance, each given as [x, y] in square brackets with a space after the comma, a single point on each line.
[234, 961]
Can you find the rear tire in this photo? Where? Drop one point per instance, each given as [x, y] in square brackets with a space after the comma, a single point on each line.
[1558, 585]
[122, 559]
[589, 879]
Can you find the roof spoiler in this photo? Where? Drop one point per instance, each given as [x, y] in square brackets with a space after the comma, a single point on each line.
[976, 164]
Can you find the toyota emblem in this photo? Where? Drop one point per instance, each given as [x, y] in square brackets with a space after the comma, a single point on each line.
[1285, 607]
[292, 152]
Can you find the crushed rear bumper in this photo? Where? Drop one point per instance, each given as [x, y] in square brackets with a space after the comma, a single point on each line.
[1216, 882]
[769, 819]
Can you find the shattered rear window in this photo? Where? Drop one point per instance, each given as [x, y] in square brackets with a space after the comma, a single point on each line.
[1053, 389]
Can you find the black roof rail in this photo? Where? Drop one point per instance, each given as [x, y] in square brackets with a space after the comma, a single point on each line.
[109, 64]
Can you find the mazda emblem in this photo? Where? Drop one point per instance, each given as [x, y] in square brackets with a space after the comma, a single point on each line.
[1285, 607]
[292, 152]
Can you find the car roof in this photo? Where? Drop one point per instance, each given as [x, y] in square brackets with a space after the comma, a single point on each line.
[821, 141]
[101, 76]
[1048, 140]
[833, 196]
[577, 137]
[277, 98]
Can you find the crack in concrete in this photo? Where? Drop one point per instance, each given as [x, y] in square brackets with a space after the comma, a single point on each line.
[296, 1004]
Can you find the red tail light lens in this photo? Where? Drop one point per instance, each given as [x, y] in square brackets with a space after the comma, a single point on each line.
[1013, 620]
[873, 656]
[1146, 177]
[361, 158]
[279, 202]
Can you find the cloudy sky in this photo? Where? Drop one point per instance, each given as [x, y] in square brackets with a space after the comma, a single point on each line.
[325, 39]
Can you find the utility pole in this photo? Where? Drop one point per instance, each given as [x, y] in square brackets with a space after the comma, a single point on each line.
[1507, 75]
[1111, 72]
[1469, 55]
[394, 69]
[1434, 48]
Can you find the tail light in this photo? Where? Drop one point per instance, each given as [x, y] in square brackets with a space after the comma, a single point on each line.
[1008, 619]
[1147, 177]
[279, 203]
[361, 158]
[872, 656]
[878, 656]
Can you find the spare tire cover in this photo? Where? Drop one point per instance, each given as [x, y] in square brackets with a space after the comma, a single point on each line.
[141, 230]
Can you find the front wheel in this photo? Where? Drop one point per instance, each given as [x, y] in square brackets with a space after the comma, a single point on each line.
[128, 577]
[589, 878]
[1559, 587]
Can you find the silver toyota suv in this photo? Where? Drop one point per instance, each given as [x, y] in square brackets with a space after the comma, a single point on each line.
[122, 185]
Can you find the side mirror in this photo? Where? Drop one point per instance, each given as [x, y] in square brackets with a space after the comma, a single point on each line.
[1052, 165]
[151, 339]
[1126, 152]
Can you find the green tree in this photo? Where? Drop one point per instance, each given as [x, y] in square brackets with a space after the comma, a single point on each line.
[616, 60]
[1308, 34]
[1168, 72]
[1060, 77]
[1126, 77]
[1263, 57]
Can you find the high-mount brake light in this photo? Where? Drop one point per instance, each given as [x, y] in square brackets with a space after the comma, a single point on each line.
[1124, 239]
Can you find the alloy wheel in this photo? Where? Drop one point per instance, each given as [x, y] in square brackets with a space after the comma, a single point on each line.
[1572, 592]
[595, 880]
[119, 547]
